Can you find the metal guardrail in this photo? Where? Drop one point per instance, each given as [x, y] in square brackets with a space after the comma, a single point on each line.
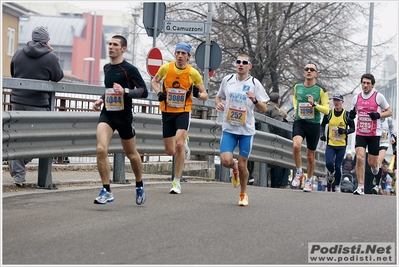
[44, 135]
[31, 134]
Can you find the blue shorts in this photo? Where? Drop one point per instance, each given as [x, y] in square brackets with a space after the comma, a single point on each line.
[229, 142]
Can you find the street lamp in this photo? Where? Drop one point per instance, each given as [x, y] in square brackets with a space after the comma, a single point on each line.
[86, 59]
[135, 16]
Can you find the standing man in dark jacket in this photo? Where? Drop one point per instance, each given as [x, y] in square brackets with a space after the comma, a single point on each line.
[37, 61]
[279, 175]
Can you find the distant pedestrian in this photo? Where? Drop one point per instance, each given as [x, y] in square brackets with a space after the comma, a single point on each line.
[279, 175]
[387, 138]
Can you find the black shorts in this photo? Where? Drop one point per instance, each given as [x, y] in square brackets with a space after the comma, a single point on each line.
[372, 142]
[122, 123]
[171, 122]
[383, 148]
[308, 131]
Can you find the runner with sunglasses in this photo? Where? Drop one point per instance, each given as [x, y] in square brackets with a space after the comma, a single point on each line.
[242, 93]
[309, 101]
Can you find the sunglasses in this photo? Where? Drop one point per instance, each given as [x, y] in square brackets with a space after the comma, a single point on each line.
[310, 69]
[244, 62]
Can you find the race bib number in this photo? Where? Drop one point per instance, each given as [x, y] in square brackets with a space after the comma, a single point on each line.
[176, 97]
[335, 134]
[113, 101]
[236, 115]
[365, 123]
[384, 136]
[305, 111]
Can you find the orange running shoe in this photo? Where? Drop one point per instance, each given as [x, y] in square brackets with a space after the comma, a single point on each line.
[235, 180]
[243, 200]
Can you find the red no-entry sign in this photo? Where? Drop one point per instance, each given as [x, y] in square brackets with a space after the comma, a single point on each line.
[154, 61]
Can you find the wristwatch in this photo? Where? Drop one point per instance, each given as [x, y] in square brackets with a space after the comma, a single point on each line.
[256, 101]
[314, 104]
[127, 90]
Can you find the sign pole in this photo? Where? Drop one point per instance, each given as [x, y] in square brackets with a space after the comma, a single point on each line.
[154, 37]
[207, 46]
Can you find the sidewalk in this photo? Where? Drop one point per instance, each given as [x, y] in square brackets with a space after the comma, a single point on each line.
[86, 175]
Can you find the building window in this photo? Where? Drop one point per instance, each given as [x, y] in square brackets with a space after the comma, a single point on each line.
[10, 41]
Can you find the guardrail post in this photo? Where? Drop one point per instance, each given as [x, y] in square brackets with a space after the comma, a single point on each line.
[262, 174]
[119, 169]
[224, 174]
[44, 179]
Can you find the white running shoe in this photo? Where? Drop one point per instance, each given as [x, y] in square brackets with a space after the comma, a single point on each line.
[176, 189]
[308, 186]
[359, 191]
[187, 149]
[297, 179]
[337, 189]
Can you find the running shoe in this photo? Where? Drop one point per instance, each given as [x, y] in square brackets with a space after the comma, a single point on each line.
[374, 170]
[104, 197]
[235, 180]
[297, 179]
[187, 148]
[140, 195]
[176, 189]
[375, 190]
[359, 191]
[308, 186]
[243, 200]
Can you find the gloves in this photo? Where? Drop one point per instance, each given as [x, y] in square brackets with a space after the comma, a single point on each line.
[352, 114]
[323, 138]
[195, 91]
[161, 96]
[374, 115]
[342, 131]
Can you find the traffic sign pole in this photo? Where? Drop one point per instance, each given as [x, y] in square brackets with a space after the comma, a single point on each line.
[207, 47]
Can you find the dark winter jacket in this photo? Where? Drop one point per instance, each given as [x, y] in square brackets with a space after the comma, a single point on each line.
[34, 61]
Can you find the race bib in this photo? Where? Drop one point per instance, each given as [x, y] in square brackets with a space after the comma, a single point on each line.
[384, 136]
[113, 101]
[305, 111]
[365, 123]
[236, 115]
[335, 134]
[176, 97]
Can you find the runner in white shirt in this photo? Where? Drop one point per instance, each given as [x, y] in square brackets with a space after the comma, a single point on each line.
[242, 93]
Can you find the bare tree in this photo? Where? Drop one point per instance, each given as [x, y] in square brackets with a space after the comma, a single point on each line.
[281, 37]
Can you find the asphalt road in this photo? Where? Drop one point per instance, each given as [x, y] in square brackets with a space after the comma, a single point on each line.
[203, 225]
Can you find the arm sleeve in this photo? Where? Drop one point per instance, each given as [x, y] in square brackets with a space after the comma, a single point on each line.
[324, 122]
[140, 90]
[56, 72]
[351, 125]
[324, 106]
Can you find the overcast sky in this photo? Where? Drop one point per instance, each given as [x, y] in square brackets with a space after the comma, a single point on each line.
[385, 14]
